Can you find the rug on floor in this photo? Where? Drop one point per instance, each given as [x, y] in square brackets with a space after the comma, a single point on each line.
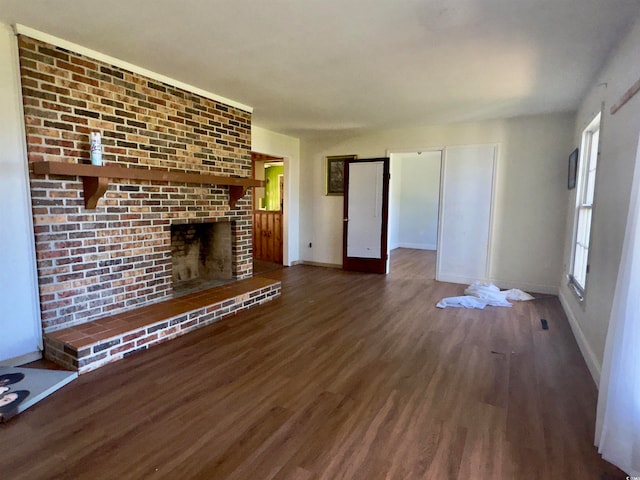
[20, 388]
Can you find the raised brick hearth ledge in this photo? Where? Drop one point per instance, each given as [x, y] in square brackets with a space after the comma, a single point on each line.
[93, 344]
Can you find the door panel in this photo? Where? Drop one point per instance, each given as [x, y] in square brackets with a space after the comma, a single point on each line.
[366, 206]
[467, 196]
[267, 235]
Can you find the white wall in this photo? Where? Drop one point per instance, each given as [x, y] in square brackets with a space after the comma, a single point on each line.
[618, 146]
[277, 144]
[395, 186]
[529, 215]
[419, 184]
[20, 328]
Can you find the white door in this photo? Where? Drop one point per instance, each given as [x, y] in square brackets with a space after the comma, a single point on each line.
[466, 208]
[365, 215]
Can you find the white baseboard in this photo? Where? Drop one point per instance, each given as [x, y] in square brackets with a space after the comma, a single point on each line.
[22, 359]
[417, 246]
[527, 287]
[589, 356]
[456, 279]
[319, 264]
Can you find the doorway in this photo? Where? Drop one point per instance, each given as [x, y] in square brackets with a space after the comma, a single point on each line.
[268, 206]
[465, 190]
[414, 206]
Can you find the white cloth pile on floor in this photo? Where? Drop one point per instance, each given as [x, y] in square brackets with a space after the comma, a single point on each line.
[481, 294]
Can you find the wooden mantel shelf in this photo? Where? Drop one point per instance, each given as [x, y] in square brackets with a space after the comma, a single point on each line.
[95, 179]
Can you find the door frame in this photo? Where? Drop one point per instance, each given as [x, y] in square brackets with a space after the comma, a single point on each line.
[368, 264]
[275, 157]
[400, 151]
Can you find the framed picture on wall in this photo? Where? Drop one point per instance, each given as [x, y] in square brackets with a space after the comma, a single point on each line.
[573, 169]
[335, 173]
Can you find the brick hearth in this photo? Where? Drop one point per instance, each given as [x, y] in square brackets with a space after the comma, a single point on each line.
[91, 345]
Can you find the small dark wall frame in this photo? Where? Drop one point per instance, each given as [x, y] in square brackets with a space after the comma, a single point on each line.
[573, 170]
[335, 173]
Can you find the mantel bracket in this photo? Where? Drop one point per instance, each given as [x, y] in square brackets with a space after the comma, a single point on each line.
[236, 192]
[94, 189]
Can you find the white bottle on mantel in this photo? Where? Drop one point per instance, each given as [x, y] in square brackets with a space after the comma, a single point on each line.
[96, 148]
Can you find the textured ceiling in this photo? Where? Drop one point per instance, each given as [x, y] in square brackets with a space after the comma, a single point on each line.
[310, 66]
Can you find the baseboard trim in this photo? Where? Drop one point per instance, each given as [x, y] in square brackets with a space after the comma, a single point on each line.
[504, 285]
[456, 279]
[527, 287]
[22, 359]
[589, 356]
[319, 264]
[417, 246]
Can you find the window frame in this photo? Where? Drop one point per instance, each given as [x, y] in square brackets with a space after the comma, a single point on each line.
[584, 207]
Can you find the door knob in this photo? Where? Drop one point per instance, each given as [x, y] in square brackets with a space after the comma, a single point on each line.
[345, 219]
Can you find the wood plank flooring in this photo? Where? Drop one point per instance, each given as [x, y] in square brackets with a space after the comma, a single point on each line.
[346, 376]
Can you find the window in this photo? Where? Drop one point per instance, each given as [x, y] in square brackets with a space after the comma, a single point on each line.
[584, 205]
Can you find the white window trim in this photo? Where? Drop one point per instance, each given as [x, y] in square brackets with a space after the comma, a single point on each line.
[580, 205]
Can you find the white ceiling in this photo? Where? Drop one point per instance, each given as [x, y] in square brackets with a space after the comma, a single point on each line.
[310, 66]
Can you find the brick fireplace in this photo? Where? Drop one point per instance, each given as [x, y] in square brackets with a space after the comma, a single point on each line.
[117, 257]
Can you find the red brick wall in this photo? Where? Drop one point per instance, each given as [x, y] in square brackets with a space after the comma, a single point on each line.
[95, 262]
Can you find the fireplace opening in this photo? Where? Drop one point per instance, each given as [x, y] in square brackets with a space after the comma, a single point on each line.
[200, 256]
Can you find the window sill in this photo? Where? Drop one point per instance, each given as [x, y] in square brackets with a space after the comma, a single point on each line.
[575, 289]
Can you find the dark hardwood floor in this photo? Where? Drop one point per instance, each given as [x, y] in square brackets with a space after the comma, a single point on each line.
[260, 267]
[346, 376]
